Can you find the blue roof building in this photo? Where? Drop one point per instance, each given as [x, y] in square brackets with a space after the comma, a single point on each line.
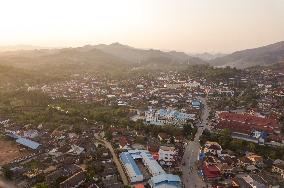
[196, 104]
[28, 143]
[131, 167]
[165, 180]
[134, 174]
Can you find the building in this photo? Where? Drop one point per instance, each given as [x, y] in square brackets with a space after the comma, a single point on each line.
[165, 181]
[134, 174]
[124, 143]
[31, 134]
[74, 181]
[246, 123]
[166, 117]
[213, 148]
[211, 172]
[166, 155]
[131, 168]
[279, 169]
[196, 104]
[28, 143]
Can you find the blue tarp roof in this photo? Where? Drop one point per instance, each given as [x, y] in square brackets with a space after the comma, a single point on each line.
[28, 143]
[202, 156]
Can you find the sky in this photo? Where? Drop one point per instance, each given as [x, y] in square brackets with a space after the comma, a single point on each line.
[185, 25]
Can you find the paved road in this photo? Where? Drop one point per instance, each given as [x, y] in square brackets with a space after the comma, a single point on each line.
[115, 159]
[190, 177]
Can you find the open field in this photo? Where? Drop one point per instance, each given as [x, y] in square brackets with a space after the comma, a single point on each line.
[9, 151]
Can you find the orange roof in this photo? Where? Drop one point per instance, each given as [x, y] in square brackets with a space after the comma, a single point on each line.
[140, 185]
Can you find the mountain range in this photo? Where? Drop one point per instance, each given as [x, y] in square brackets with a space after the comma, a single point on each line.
[262, 56]
[118, 56]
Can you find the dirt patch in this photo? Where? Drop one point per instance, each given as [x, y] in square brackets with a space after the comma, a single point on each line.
[9, 151]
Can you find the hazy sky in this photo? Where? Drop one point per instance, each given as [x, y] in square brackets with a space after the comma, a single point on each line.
[187, 25]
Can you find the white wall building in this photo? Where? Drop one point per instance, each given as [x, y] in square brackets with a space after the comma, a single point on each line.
[166, 155]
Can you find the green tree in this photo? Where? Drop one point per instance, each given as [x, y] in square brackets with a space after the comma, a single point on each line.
[7, 172]
[41, 185]
[251, 147]
[108, 136]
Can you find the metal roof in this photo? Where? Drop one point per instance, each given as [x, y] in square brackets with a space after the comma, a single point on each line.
[129, 162]
[28, 143]
[166, 179]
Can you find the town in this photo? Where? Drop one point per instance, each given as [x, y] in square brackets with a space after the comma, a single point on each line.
[204, 127]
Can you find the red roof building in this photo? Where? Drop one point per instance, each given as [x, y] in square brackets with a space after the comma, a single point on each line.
[211, 172]
[245, 123]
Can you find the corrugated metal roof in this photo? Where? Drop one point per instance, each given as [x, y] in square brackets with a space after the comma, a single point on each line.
[28, 143]
[130, 163]
[166, 178]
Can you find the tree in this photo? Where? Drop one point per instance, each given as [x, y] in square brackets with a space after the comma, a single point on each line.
[225, 138]
[41, 185]
[108, 136]
[251, 147]
[7, 172]
[187, 129]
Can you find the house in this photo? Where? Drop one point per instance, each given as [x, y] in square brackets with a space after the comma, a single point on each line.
[244, 161]
[225, 168]
[74, 181]
[124, 143]
[112, 183]
[164, 137]
[76, 150]
[211, 172]
[279, 169]
[213, 147]
[256, 160]
[179, 139]
[252, 182]
[31, 134]
[65, 171]
[196, 104]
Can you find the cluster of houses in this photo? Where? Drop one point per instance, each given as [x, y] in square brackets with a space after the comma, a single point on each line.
[167, 89]
[164, 98]
[60, 158]
[64, 158]
[230, 170]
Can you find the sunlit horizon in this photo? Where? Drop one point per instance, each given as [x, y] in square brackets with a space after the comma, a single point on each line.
[187, 25]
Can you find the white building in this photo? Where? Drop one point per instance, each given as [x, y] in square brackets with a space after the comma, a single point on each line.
[166, 155]
[31, 134]
[166, 117]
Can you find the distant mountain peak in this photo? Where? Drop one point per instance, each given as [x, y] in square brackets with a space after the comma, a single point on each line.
[265, 55]
[117, 44]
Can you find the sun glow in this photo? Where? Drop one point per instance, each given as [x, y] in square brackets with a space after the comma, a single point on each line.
[188, 25]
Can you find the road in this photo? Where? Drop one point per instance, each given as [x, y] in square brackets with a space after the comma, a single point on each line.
[190, 176]
[115, 159]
